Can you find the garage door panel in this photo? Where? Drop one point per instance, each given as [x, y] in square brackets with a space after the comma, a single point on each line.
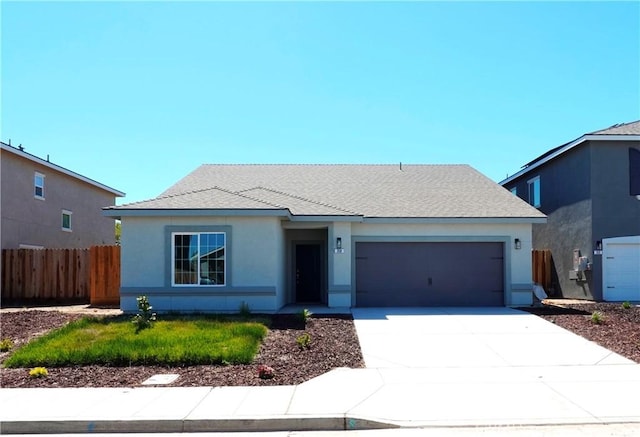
[621, 271]
[429, 274]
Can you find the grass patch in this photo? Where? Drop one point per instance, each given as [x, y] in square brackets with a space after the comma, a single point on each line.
[171, 341]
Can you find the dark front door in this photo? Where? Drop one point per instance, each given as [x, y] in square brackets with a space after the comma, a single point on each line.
[308, 272]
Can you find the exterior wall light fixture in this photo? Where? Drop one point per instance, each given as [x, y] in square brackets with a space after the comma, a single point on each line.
[517, 243]
[338, 243]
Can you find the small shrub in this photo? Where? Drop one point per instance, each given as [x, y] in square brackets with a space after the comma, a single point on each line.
[265, 372]
[6, 345]
[597, 317]
[304, 341]
[38, 372]
[305, 315]
[145, 317]
[244, 310]
[626, 305]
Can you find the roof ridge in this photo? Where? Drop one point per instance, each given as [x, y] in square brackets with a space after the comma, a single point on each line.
[321, 164]
[616, 125]
[304, 199]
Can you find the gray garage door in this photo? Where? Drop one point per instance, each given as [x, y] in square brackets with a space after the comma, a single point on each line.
[429, 274]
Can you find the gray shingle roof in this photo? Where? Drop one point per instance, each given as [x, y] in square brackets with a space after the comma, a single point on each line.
[415, 191]
[632, 128]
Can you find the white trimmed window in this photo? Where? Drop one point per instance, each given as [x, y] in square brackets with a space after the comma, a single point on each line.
[66, 220]
[38, 186]
[198, 259]
[534, 191]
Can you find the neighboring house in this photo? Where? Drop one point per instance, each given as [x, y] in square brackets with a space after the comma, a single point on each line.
[335, 235]
[47, 206]
[590, 190]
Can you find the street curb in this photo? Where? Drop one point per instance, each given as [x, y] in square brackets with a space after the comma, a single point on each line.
[298, 423]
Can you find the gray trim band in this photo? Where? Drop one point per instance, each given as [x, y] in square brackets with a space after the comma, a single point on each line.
[198, 291]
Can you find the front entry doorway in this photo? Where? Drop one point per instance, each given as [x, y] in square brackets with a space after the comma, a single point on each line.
[308, 268]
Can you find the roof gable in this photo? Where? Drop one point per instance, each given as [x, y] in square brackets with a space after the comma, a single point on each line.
[618, 132]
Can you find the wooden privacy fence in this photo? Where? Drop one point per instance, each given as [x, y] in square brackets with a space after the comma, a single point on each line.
[541, 265]
[62, 275]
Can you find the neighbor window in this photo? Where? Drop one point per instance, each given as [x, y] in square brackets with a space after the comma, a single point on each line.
[514, 191]
[198, 258]
[534, 191]
[634, 172]
[66, 220]
[38, 182]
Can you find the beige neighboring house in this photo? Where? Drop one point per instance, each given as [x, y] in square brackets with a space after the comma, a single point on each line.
[45, 205]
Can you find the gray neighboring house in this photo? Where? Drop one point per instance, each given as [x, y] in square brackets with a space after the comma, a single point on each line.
[47, 206]
[590, 190]
[334, 235]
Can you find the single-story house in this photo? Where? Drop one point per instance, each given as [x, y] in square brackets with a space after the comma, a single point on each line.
[337, 235]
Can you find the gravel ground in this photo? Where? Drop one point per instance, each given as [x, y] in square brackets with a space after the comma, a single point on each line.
[619, 330]
[334, 344]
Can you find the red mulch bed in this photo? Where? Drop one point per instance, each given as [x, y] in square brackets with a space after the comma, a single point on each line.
[619, 330]
[334, 343]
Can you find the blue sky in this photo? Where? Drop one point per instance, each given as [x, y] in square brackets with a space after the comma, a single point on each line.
[138, 94]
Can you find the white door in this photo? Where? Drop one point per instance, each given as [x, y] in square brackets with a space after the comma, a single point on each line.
[621, 269]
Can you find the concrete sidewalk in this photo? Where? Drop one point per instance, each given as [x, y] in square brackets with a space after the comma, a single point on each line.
[435, 368]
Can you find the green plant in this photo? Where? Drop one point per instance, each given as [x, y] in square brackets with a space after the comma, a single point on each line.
[173, 341]
[6, 345]
[304, 341]
[305, 315]
[626, 305]
[597, 317]
[145, 317]
[244, 310]
[265, 372]
[38, 372]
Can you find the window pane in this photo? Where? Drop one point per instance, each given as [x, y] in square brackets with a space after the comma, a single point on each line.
[534, 192]
[66, 221]
[39, 185]
[199, 259]
[634, 172]
[185, 256]
[212, 259]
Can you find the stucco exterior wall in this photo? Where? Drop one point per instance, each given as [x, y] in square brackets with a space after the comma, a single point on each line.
[259, 251]
[28, 220]
[565, 196]
[616, 213]
[340, 265]
[255, 255]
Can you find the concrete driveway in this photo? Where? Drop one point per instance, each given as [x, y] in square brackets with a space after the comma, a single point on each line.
[463, 366]
[470, 338]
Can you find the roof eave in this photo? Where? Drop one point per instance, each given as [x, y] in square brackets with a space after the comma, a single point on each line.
[119, 212]
[569, 146]
[60, 169]
[456, 220]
